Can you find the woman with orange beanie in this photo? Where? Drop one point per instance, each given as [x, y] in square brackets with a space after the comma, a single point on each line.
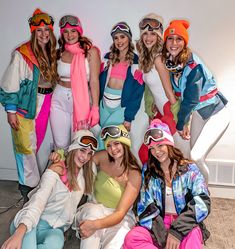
[25, 92]
[201, 101]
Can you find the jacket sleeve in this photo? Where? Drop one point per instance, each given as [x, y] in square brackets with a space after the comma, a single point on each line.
[31, 212]
[135, 93]
[147, 209]
[191, 96]
[10, 82]
[197, 205]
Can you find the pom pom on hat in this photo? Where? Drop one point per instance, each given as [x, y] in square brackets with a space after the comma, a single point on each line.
[124, 137]
[40, 19]
[178, 27]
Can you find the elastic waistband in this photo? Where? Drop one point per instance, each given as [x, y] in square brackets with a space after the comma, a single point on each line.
[45, 90]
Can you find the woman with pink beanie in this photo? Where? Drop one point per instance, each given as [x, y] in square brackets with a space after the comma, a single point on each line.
[76, 97]
[174, 198]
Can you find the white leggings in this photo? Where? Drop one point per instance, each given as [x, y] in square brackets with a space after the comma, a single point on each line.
[61, 116]
[107, 238]
[204, 136]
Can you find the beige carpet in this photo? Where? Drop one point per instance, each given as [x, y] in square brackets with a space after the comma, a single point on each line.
[221, 224]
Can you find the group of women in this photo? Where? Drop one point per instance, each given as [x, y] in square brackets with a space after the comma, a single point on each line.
[169, 200]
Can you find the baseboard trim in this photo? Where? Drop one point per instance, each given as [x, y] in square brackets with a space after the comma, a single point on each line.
[222, 191]
[8, 174]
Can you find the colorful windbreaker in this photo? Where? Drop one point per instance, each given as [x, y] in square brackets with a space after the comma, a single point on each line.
[19, 84]
[191, 197]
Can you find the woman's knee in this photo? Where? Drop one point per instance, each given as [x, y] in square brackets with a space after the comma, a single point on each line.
[54, 239]
[137, 236]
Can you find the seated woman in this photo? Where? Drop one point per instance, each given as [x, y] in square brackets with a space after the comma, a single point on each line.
[174, 198]
[105, 221]
[52, 206]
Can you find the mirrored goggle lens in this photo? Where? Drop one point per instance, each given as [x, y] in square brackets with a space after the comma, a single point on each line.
[112, 131]
[37, 19]
[89, 141]
[72, 20]
[121, 27]
[152, 23]
[154, 134]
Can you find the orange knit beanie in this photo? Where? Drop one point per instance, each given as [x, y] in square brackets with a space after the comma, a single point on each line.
[40, 19]
[177, 27]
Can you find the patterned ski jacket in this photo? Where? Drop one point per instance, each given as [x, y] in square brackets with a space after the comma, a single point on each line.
[191, 198]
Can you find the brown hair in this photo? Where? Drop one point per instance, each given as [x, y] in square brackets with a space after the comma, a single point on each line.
[153, 165]
[47, 66]
[115, 53]
[182, 58]
[147, 57]
[129, 161]
[72, 173]
[84, 42]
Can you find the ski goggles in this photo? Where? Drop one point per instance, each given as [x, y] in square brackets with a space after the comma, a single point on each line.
[156, 135]
[37, 19]
[151, 24]
[69, 19]
[172, 67]
[86, 141]
[113, 132]
[121, 27]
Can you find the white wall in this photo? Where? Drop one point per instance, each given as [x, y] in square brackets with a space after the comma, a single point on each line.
[212, 36]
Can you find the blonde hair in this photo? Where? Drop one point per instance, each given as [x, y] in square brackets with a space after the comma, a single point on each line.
[115, 53]
[72, 173]
[47, 67]
[147, 57]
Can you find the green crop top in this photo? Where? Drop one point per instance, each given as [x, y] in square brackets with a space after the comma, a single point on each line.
[107, 190]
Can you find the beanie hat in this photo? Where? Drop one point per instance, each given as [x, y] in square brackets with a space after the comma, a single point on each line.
[178, 27]
[167, 136]
[123, 138]
[76, 144]
[121, 27]
[151, 22]
[70, 21]
[40, 19]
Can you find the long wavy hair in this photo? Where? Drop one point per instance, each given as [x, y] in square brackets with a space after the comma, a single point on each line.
[182, 58]
[147, 57]
[129, 161]
[47, 67]
[153, 165]
[85, 45]
[72, 173]
[115, 53]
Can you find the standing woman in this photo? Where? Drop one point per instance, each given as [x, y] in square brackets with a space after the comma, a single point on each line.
[78, 64]
[156, 77]
[53, 204]
[25, 92]
[174, 198]
[194, 84]
[121, 84]
[105, 221]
